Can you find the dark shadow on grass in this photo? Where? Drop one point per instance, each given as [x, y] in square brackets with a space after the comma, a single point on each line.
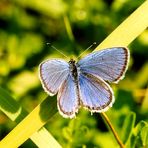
[48, 108]
[8, 104]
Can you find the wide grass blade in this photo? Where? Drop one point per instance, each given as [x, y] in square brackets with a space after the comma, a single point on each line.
[128, 30]
[16, 113]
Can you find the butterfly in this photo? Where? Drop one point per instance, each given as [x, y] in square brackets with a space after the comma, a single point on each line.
[84, 83]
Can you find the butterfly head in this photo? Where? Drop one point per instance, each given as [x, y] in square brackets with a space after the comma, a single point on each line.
[71, 62]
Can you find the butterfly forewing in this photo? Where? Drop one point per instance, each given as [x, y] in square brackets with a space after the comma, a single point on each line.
[52, 74]
[109, 64]
[68, 98]
[95, 94]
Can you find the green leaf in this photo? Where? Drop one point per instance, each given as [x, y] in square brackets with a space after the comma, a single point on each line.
[128, 125]
[144, 136]
[139, 137]
[139, 127]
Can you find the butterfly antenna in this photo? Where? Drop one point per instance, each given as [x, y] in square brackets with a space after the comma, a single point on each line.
[87, 49]
[57, 50]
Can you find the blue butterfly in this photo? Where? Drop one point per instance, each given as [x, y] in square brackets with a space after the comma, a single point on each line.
[83, 83]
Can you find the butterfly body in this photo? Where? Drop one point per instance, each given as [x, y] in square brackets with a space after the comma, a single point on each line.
[73, 69]
[83, 83]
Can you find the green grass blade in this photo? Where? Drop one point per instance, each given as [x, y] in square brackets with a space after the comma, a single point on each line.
[128, 30]
[16, 113]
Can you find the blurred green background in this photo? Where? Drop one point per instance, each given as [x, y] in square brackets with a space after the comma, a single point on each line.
[25, 28]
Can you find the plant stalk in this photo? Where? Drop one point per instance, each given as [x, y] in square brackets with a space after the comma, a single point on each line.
[105, 117]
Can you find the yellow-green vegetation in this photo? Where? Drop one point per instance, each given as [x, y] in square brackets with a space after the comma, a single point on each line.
[71, 26]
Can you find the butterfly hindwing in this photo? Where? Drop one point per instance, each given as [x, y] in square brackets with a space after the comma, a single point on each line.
[52, 74]
[95, 94]
[68, 98]
[110, 64]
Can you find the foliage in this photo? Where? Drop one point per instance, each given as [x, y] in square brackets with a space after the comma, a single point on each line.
[26, 27]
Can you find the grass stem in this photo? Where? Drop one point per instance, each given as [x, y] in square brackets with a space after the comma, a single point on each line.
[105, 117]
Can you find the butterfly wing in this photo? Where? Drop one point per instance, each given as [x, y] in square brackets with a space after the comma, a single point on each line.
[95, 94]
[110, 64]
[52, 74]
[68, 98]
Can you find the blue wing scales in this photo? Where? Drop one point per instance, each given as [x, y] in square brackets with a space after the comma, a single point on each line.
[68, 98]
[110, 64]
[52, 74]
[95, 94]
